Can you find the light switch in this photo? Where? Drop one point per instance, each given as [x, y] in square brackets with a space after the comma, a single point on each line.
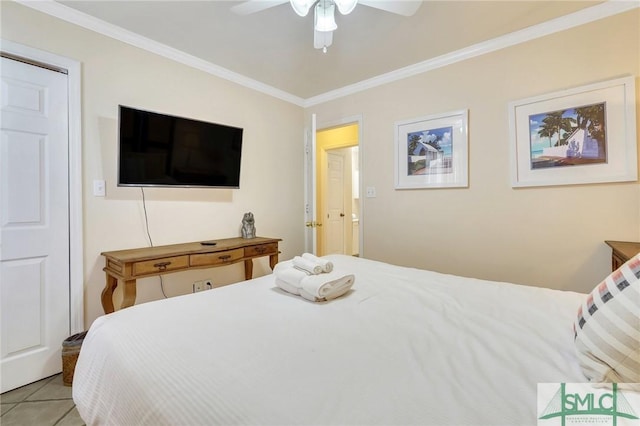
[371, 191]
[99, 188]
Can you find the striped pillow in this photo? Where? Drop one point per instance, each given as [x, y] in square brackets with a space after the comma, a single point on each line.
[607, 329]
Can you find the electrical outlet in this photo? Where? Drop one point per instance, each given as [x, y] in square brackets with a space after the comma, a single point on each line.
[199, 286]
[202, 285]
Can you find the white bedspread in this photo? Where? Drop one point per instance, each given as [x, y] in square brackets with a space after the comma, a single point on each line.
[404, 346]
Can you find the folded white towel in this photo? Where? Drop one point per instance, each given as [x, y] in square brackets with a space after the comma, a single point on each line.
[285, 271]
[285, 264]
[327, 286]
[327, 265]
[289, 288]
[309, 297]
[307, 265]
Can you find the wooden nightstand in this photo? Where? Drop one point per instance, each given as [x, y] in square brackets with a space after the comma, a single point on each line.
[621, 252]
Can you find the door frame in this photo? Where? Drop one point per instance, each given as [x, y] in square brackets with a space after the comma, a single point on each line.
[346, 121]
[310, 233]
[76, 250]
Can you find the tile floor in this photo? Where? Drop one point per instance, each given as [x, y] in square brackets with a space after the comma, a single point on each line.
[44, 403]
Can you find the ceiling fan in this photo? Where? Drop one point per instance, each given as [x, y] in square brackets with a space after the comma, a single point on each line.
[324, 12]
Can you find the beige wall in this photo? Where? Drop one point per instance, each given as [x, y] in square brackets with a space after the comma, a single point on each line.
[541, 236]
[548, 236]
[115, 73]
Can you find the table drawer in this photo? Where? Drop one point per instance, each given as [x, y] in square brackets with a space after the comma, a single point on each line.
[261, 250]
[160, 265]
[217, 258]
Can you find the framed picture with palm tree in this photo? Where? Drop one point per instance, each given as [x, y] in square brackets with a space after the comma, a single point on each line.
[581, 135]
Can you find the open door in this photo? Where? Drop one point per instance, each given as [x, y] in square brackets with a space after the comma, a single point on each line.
[311, 224]
[343, 134]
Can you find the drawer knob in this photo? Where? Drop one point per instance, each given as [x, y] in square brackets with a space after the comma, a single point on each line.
[162, 266]
[225, 257]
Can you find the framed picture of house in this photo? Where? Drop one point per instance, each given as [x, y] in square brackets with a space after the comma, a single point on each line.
[577, 136]
[432, 151]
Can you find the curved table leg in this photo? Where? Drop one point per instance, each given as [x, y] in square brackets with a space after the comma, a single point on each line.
[248, 269]
[273, 260]
[107, 294]
[129, 298]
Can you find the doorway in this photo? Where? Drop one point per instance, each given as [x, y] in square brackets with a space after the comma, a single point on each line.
[337, 192]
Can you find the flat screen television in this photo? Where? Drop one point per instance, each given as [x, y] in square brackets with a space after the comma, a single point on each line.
[164, 150]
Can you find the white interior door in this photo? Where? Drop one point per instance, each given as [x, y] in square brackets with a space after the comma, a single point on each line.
[334, 214]
[34, 222]
[310, 235]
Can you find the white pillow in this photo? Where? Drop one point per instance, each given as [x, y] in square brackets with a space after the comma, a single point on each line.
[607, 328]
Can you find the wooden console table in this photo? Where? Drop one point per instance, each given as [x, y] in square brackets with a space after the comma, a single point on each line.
[129, 265]
[621, 252]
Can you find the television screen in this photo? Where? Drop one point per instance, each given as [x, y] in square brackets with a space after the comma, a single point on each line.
[163, 150]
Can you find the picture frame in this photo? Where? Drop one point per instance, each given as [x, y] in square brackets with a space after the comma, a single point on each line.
[582, 135]
[432, 151]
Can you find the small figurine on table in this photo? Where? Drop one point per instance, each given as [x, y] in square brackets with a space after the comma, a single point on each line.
[248, 226]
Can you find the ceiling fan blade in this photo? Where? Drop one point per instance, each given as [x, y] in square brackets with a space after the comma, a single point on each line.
[403, 7]
[253, 6]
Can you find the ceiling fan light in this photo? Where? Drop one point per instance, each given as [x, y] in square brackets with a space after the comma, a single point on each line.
[346, 6]
[301, 7]
[322, 39]
[324, 17]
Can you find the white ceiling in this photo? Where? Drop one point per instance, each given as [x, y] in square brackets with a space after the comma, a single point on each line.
[275, 46]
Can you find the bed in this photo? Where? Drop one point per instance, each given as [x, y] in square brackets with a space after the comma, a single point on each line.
[404, 346]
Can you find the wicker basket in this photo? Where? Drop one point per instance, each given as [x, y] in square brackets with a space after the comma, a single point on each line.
[70, 351]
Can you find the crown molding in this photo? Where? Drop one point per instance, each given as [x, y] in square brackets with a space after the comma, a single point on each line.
[65, 13]
[584, 16]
